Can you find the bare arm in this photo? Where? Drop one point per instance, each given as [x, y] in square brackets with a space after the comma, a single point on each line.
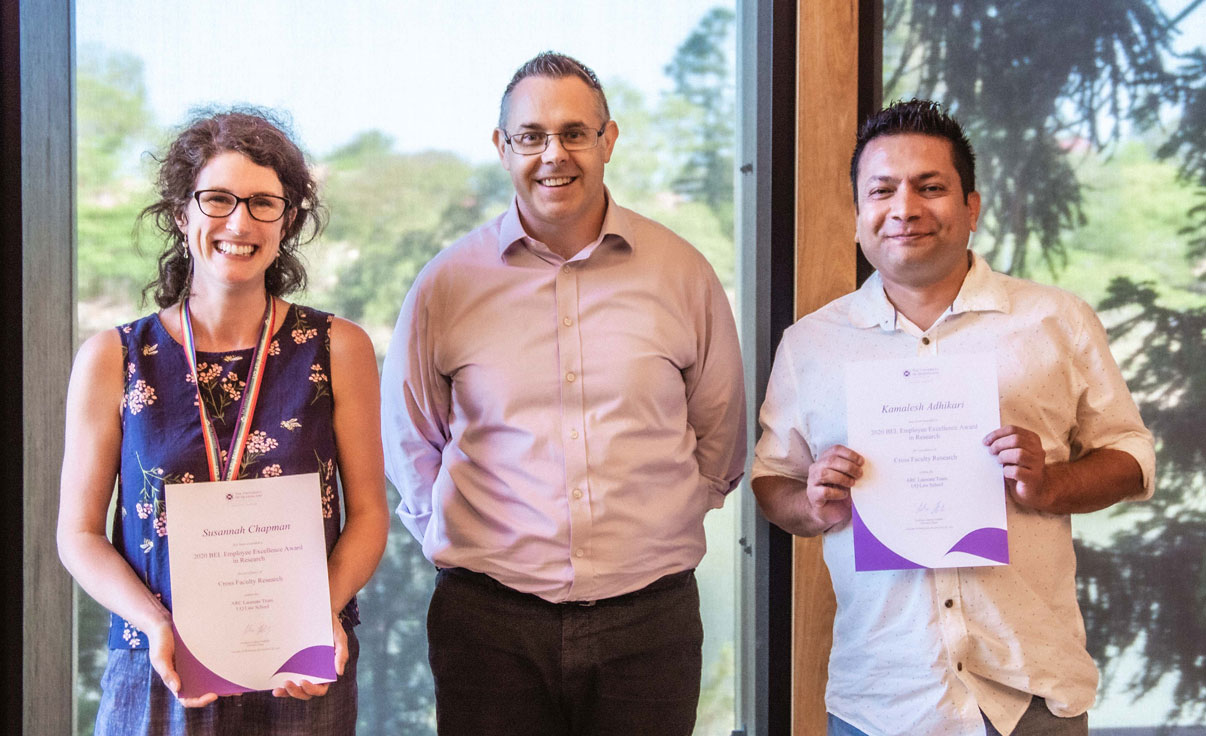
[822, 503]
[361, 465]
[361, 472]
[1099, 479]
[91, 458]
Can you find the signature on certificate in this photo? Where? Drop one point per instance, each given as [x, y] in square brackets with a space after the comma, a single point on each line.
[930, 508]
[257, 629]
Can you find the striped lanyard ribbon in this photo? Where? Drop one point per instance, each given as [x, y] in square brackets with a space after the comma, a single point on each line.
[234, 455]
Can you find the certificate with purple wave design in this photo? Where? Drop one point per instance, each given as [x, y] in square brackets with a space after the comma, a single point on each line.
[931, 494]
[250, 595]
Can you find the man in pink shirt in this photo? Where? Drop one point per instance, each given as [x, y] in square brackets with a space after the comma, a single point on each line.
[562, 403]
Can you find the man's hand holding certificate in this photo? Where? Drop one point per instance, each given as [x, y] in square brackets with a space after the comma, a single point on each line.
[250, 596]
[931, 493]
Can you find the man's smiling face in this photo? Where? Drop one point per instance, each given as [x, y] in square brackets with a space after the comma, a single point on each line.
[913, 221]
[560, 192]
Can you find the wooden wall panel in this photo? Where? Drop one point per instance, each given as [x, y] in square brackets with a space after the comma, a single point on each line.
[827, 94]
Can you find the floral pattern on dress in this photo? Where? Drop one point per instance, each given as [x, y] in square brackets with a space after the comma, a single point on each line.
[151, 505]
[138, 394]
[326, 480]
[291, 433]
[131, 635]
[259, 444]
[138, 397]
[322, 384]
[302, 332]
[220, 387]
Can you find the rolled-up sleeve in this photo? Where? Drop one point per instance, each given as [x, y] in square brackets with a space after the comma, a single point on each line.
[715, 388]
[1106, 414]
[415, 402]
[782, 449]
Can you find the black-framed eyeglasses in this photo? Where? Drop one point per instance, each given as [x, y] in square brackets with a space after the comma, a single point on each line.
[262, 207]
[532, 142]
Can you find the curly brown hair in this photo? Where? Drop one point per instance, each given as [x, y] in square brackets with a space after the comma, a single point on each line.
[261, 136]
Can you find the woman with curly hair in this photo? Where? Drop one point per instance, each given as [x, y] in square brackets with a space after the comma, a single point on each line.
[236, 200]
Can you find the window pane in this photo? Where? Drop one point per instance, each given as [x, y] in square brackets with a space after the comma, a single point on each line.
[1087, 120]
[396, 103]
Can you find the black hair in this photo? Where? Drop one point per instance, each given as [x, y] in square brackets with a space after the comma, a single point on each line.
[922, 117]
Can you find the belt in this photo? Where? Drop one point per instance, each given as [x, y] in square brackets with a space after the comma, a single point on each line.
[665, 582]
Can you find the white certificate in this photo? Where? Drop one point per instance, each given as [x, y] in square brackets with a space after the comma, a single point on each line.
[931, 493]
[250, 596]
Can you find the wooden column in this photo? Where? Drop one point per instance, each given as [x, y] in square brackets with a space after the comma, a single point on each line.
[827, 119]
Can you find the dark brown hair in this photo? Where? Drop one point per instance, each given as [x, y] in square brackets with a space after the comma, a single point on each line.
[557, 66]
[261, 136]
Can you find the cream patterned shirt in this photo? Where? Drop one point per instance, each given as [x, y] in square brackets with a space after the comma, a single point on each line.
[922, 652]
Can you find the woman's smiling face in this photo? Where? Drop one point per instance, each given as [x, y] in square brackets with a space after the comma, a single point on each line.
[236, 250]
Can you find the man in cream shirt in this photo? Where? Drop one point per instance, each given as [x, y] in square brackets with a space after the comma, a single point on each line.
[962, 651]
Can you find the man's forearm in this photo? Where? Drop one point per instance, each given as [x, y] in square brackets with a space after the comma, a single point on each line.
[784, 502]
[1096, 481]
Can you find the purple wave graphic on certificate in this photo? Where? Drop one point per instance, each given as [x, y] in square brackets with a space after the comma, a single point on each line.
[990, 543]
[197, 679]
[870, 554]
[317, 661]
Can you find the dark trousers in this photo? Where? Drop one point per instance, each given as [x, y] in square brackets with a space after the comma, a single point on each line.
[1038, 721]
[508, 663]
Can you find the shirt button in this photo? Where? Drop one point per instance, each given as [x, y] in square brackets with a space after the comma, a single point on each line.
[582, 553]
[573, 434]
[577, 493]
[566, 268]
[925, 341]
[949, 603]
[570, 377]
[958, 666]
[567, 321]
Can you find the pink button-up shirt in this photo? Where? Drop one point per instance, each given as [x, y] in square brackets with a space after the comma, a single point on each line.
[563, 426]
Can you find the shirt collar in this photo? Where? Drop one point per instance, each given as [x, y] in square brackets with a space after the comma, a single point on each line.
[510, 230]
[615, 222]
[980, 292]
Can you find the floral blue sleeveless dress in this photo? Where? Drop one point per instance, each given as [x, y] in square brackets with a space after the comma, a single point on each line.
[292, 433]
